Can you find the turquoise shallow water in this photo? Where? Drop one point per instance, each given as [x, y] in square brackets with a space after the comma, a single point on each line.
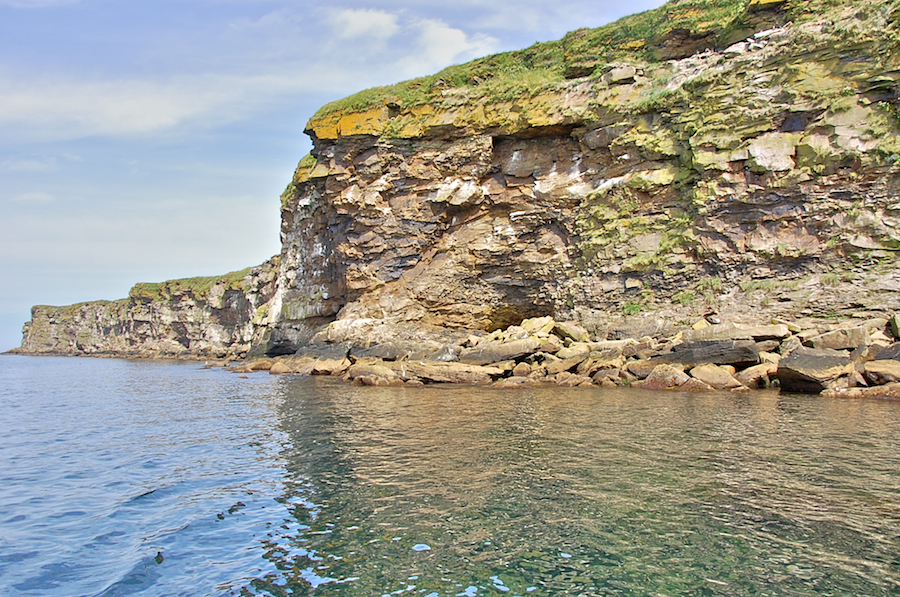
[151, 478]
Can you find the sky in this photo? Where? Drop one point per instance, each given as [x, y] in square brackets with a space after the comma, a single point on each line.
[143, 141]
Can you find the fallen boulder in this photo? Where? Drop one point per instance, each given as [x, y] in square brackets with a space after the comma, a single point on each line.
[882, 372]
[757, 376]
[494, 352]
[715, 376]
[716, 352]
[846, 338]
[811, 371]
[444, 372]
[663, 377]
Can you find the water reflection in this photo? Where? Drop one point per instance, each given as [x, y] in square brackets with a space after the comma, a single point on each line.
[456, 491]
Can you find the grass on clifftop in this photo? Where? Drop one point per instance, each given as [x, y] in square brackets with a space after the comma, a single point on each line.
[198, 287]
[676, 29]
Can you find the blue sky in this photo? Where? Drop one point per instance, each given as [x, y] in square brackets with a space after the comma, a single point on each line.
[150, 140]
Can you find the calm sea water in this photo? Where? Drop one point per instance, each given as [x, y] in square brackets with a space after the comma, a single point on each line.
[154, 478]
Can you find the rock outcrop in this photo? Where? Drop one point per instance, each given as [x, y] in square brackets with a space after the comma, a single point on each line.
[737, 162]
[215, 317]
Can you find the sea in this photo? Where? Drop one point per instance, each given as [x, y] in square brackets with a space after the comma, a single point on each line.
[156, 478]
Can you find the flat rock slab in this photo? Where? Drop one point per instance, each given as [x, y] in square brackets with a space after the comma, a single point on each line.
[811, 371]
[443, 372]
[883, 372]
[495, 352]
[733, 331]
[716, 352]
[848, 338]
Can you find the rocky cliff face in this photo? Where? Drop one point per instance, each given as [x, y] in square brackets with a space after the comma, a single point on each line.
[737, 160]
[208, 317]
[757, 176]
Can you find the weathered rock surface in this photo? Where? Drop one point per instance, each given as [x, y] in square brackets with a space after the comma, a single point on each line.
[717, 352]
[204, 317]
[811, 370]
[715, 376]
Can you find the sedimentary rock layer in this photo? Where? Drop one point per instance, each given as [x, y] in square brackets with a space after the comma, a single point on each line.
[204, 317]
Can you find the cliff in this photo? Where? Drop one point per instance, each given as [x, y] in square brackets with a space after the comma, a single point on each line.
[213, 317]
[736, 158]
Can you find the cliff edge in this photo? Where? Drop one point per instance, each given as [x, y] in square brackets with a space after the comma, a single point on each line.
[735, 159]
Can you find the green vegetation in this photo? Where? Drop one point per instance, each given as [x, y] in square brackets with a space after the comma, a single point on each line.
[685, 297]
[631, 308]
[710, 284]
[198, 287]
[677, 29]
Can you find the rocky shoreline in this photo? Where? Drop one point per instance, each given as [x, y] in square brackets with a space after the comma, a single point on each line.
[854, 359]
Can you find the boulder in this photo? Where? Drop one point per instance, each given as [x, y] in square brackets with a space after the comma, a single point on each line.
[521, 370]
[695, 385]
[569, 329]
[537, 325]
[494, 352]
[564, 378]
[550, 344]
[757, 376]
[576, 349]
[443, 372]
[641, 369]
[841, 339]
[733, 331]
[716, 352]
[715, 376]
[882, 372]
[279, 368]
[330, 366]
[663, 377]
[370, 368]
[889, 353]
[554, 367]
[605, 377]
[261, 365]
[811, 371]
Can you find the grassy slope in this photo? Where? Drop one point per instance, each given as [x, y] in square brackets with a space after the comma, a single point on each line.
[676, 29]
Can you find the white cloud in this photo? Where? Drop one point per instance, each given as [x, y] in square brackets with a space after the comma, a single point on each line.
[369, 24]
[48, 109]
[439, 45]
[34, 198]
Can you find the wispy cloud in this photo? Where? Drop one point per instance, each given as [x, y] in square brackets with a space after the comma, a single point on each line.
[34, 198]
[367, 24]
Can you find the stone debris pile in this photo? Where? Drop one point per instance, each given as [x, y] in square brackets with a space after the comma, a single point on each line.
[855, 358]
